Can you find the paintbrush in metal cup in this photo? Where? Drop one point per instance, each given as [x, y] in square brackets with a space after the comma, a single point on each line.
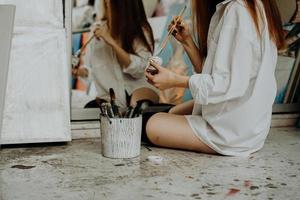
[110, 111]
[114, 106]
[104, 108]
[165, 41]
[140, 107]
[145, 104]
[128, 112]
[99, 102]
[131, 112]
[137, 109]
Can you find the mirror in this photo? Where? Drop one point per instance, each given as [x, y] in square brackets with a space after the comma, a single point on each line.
[159, 13]
[118, 61]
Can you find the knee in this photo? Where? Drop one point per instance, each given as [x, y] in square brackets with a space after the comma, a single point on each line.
[152, 128]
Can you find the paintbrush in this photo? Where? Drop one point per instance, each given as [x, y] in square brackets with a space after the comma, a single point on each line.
[78, 53]
[128, 98]
[165, 41]
[114, 106]
[137, 109]
[140, 107]
[110, 111]
[99, 102]
[105, 112]
[128, 112]
[75, 58]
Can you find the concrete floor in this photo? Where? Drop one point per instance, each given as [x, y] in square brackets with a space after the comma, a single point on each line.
[78, 171]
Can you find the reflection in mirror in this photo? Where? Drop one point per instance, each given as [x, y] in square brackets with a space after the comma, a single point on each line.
[116, 60]
[112, 43]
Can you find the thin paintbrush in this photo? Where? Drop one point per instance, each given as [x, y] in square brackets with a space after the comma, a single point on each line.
[75, 58]
[105, 112]
[99, 102]
[114, 106]
[77, 54]
[165, 41]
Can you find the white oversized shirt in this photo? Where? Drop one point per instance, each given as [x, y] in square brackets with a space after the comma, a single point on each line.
[106, 72]
[235, 92]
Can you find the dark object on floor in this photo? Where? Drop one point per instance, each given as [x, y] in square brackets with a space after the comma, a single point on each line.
[22, 167]
[95, 103]
[146, 145]
[119, 165]
[92, 104]
[148, 113]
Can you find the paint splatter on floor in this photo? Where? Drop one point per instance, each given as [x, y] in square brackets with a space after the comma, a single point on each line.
[22, 167]
[233, 191]
[247, 184]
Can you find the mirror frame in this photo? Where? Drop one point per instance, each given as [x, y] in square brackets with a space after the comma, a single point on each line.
[6, 36]
[76, 114]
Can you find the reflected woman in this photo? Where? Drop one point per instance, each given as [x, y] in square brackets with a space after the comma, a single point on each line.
[117, 58]
[234, 86]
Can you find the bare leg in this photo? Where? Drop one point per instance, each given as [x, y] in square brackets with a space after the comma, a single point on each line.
[173, 131]
[144, 93]
[185, 108]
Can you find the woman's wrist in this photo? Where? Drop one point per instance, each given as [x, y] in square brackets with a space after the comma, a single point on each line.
[188, 43]
[181, 81]
[111, 42]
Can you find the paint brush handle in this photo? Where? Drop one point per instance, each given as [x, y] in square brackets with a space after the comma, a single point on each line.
[77, 54]
[89, 40]
[165, 41]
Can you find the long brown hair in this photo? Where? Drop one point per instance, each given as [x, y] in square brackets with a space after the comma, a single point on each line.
[204, 10]
[129, 23]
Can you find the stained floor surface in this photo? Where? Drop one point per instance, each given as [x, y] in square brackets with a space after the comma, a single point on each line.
[78, 171]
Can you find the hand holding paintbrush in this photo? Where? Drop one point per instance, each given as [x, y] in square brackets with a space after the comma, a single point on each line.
[95, 33]
[76, 56]
[173, 27]
[180, 30]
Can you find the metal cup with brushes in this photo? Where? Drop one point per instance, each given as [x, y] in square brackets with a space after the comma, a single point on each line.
[111, 110]
[120, 133]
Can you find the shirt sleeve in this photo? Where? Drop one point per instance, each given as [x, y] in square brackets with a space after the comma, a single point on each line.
[231, 70]
[138, 63]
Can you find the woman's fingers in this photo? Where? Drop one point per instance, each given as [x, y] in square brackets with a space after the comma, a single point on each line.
[150, 82]
[175, 31]
[149, 76]
[179, 21]
[177, 26]
[75, 72]
[175, 22]
[156, 65]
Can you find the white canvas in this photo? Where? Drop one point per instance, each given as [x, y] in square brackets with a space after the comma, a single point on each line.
[37, 103]
[38, 13]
